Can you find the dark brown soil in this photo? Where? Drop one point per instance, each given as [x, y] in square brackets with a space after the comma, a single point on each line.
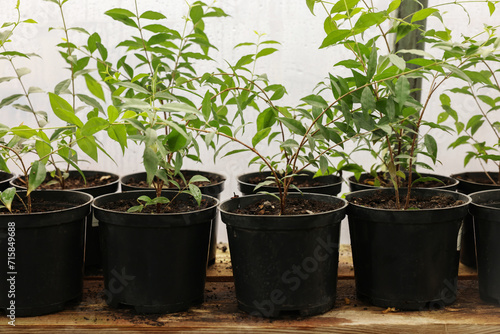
[294, 206]
[298, 182]
[385, 201]
[214, 179]
[385, 182]
[37, 205]
[4, 176]
[76, 182]
[176, 206]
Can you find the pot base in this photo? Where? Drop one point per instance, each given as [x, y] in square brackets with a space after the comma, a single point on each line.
[276, 312]
[157, 309]
[435, 304]
[45, 309]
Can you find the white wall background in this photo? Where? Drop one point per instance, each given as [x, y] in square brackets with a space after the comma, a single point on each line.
[299, 65]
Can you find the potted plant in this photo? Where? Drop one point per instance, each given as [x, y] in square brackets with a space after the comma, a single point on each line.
[393, 266]
[484, 209]
[284, 244]
[160, 239]
[479, 132]
[42, 231]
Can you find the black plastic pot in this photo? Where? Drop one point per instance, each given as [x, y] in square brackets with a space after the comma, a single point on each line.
[468, 253]
[406, 259]
[284, 264]
[155, 263]
[449, 182]
[485, 208]
[47, 270]
[5, 179]
[329, 184]
[93, 255]
[213, 190]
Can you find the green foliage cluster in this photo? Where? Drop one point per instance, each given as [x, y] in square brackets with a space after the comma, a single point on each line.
[149, 90]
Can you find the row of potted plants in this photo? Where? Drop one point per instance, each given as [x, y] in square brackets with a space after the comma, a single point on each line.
[156, 242]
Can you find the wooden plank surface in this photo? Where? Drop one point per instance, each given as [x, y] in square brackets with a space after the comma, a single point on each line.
[219, 312]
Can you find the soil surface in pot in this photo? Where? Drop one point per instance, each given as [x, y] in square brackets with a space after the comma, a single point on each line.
[294, 206]
[214, 179]
[385, 182]
[302, 183]
[75, 182]
[482, 178]
[37, 205]
[4, 177]
[175, 206]
[385, 201]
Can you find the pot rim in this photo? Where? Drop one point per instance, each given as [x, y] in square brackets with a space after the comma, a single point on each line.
[222, 175]
[11, 181]
[145, 192]
[340, 179]
[455, 181]
[90, 200]
[482, 205]
[386, 189]
[284, 216]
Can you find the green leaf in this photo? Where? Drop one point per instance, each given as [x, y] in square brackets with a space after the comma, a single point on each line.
[134, 86]
[491, 7]
[398, 61]
[266, 119]
[179, 107]
[11, 99]
[368, 20]
[94, 125]
[323, 164]
[23, 131]
[343, 6]
[402, 90]
[265, 52]
[150, 161]
[151, 15]
[87, 144]
[431, 146]
[310, 5]
[474, 123]
[368, 100]
[245, 60]
[393, 6]
[7, 197]
[118, 132]
[63, 110]
[315, 101]
[260, 135]
[294, 125]
[36, 176]
[112, 113]
[119, 11]
[422, 14]
[196, 13]
[195, 192]
[94, 87]
[43, 150]
[207, 105]
[176, 140]
[198, 178]
[334, 37]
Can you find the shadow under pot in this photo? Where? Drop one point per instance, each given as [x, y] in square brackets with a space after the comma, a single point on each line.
[137, 181]
[306, 182]
[284, 264]
[43, 252]
[96, 183]
[367, 181]
[154, 262]
[485, 209]
[471, 182]
[407, 259]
